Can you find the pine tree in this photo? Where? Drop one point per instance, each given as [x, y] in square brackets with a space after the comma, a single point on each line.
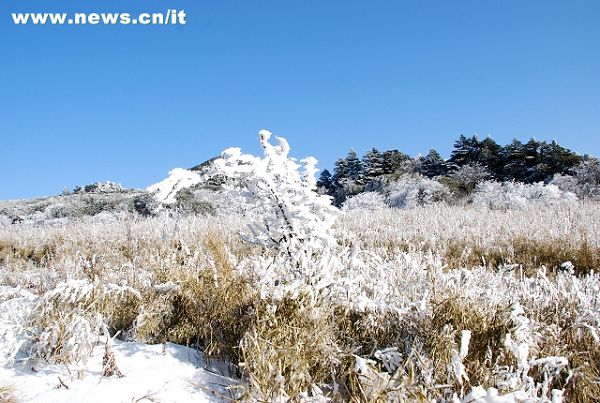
[347, 178]
[432, 164]
[558, 159]
[373, 164]
[393, 161]
[536, 170]
[490, 156]
[354, 166]
[325, 179]
[466, 151]
[340, 170]
[513, 158]
[529, 162]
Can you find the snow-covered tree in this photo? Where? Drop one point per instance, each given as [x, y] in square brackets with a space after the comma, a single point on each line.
[466, 151]
[340, 169]
[394, 161]
[325, 179]
[415, 190]
[344, 188]
[286, 211]
[513, 161]
[373, 164]
[584, 181]
[432, 164]
[354, 166]
[587, 174]
[489, 156]
[468, 176]
[566, 183]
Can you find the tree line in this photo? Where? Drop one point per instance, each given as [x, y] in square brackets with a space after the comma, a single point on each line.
[471, 161]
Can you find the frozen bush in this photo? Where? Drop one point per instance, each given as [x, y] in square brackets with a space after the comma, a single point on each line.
[145, 205]
[102, 187]
[66, 321]
[219, 202]
[187, 202]
[588, 176]
[585, 180]
[286, 211]
[415, 190]
[6, 220]
[566, 183]
[367, 201]
[517, 195]
[468, 176]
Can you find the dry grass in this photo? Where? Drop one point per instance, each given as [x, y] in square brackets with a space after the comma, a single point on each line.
[530, 254]
[583, 354]
[290, 346]
[488, 326]
[7, 394]
[470, 236]
[193, 292]
[209, 308]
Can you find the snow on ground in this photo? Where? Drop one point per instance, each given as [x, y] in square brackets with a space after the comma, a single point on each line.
[159, 373]
[179, 178]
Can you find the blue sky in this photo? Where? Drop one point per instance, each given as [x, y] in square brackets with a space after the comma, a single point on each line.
[80, 104]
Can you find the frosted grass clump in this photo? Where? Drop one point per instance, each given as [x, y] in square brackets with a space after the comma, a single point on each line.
[517, 195]
[63, 324]
[367, 201]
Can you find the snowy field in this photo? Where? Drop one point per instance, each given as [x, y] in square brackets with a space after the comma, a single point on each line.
[278, 296]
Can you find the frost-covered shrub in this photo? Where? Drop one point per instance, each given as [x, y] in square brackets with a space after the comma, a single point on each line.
[285, 209]
[468, 176]
[584, 181]
[517, 195]
[223, 201]
[588, 177]
[415, 190]
[58, 210]
[186, 201]
[367, 201]
[5, 220]
[566, 183]
[66, 321]
[145, 205]
[101, 187]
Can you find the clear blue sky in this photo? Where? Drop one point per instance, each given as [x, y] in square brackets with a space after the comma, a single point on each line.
[80, 104]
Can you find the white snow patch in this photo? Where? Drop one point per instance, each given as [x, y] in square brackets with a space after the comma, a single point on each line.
[179, 178]
[175, 375]
[165, 373]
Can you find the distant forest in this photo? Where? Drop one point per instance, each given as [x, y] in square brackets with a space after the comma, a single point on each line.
[530, 162]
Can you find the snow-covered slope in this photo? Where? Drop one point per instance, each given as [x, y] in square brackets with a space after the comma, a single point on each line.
[179, 178]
